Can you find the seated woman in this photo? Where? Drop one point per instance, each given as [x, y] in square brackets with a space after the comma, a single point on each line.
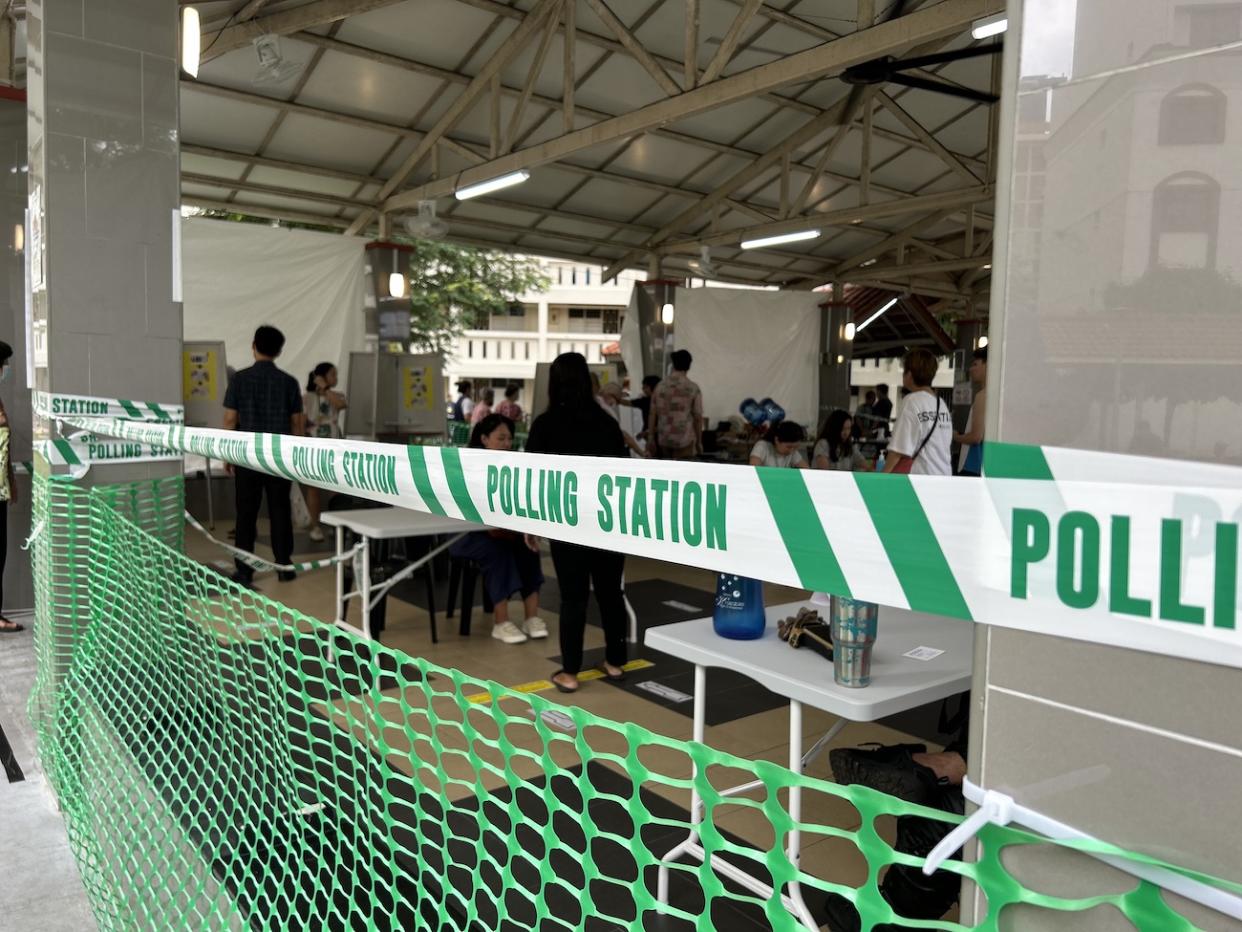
[781, 447]
[835, 448]
[510, 561]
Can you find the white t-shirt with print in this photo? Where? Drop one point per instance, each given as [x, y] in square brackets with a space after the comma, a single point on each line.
[766, 453]
[918, 412]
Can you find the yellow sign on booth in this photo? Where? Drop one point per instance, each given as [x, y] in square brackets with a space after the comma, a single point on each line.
[198, 376]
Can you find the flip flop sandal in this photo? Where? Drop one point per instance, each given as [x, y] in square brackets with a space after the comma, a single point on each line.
[619, 678]
[561, 688]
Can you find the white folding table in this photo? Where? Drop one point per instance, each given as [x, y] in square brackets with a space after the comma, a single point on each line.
[898, 682]
[386, 524]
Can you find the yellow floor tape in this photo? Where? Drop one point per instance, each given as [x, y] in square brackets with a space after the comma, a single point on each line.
[538, 686]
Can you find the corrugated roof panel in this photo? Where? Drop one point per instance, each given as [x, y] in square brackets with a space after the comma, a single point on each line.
[336, 145]
[225, 124]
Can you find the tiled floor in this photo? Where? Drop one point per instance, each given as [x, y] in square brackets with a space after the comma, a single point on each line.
[40, 890]
[761, 735]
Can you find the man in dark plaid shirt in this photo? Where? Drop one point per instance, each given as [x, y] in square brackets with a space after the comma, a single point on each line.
[262, 399]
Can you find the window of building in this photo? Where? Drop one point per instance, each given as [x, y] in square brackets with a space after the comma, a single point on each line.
[586, 320]
[1192, 115]
[1185, 222]
[612, 320]
[1211, 24]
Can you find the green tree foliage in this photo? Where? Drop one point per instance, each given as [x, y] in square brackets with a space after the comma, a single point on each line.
[455, 288]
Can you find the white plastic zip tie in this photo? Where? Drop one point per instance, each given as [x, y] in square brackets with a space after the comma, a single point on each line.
[34, 535]
[1000, 809]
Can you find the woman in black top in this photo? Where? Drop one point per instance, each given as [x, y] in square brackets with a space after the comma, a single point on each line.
[575, 425]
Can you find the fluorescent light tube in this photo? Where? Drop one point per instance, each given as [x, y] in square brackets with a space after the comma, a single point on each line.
[778, 240]
[990, 26]
[492, 184]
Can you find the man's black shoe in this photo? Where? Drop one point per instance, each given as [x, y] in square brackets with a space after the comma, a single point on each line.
[245, 580]
[286, 576]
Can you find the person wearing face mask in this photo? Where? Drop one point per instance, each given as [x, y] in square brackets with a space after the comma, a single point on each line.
[6, 355]
[781, 447]
[510, 561]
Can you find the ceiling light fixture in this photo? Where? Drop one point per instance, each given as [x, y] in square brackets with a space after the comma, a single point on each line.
[983, 343]
[765, 241]
[666, 314]
[492, 184]
[191, 41]
[850, 330]
[990, 26]
[876, 316]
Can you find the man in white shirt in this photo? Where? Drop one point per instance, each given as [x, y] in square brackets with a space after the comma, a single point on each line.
[924, 431]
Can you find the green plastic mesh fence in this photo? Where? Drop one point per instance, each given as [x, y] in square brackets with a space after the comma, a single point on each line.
[224, 762]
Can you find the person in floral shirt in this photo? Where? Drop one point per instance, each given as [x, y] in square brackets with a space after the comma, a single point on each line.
[676, 423]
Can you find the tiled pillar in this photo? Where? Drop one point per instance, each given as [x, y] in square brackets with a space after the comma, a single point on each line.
[1116, 326]
[836, 359]
[104, 166]
[18, 587]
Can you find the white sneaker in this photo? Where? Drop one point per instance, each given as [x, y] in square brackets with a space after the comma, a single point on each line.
[535, 628]
[316, 535]
[509, 633]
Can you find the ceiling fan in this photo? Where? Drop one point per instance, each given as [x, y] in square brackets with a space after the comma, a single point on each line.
[889, 70]
[426, 225]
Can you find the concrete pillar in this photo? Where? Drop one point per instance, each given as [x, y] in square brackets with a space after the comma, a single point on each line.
[543, 330]
[968, 334]
[104, 155]
[18, 585]
[1113, 320]
[836, 358]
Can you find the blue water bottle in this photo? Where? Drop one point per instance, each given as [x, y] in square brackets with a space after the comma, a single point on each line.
[739, 607]
[773, 412]
[753, 412]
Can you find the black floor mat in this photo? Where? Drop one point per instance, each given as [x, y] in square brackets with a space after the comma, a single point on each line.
[392, 874]
[302, 543]
[730, 695]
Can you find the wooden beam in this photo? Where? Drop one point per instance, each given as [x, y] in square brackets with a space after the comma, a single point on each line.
[798, 137]
[857, 97]
[634, 47]
[691, 48]
[571, 72]
[274, 213]
[728, 45]
[918, 268]
[864, 178]
[924, 136]
[532, 75]
[943, 19]
[502, 56]
[308, 16]
[847, 215]
[901, 236]
[251, 10]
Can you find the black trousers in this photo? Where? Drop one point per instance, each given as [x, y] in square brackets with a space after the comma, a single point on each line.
[251, 486]
[577, 568]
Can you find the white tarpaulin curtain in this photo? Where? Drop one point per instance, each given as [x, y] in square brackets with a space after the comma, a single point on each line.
[751, 344]
[309, 285]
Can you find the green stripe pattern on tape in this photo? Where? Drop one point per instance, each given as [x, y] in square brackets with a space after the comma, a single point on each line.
[911, 545]
[801, 531]
[223, 761]
[422, 481]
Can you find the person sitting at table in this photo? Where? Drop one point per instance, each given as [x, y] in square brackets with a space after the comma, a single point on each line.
[835, 447]
[510, 561]
[781, 447]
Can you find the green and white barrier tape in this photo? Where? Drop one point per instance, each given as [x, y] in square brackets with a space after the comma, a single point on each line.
[267, 566]
[1128, 551]
[60, 406]
[82, 450]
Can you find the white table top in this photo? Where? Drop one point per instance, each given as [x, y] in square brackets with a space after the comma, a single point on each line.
[386, 523]
[897, 682]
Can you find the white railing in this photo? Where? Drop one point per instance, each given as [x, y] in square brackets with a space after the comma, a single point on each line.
[489, 349]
